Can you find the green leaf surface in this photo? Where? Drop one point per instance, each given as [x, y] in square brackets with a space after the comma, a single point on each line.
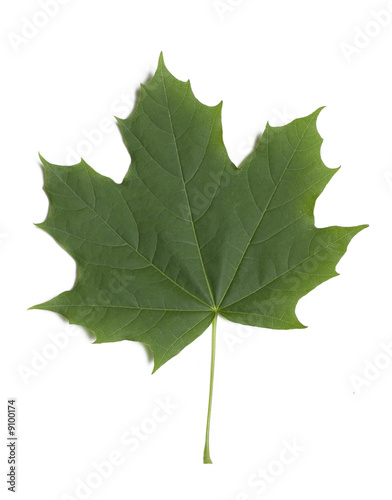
[187, 235]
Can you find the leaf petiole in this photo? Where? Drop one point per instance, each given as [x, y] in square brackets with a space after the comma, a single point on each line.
[207, 458]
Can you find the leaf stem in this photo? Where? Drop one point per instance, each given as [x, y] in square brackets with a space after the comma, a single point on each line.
[207, 458]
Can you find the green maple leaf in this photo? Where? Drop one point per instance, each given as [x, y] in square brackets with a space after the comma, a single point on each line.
[187, 235]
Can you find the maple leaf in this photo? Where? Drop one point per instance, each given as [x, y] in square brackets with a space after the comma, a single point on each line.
[187, 235]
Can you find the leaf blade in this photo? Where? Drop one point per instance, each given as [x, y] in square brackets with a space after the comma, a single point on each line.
[187, 234]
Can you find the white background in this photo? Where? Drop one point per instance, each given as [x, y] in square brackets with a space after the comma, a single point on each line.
[268, 60]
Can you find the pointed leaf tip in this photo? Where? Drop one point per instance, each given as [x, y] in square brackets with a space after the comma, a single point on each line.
[316, 113]
[42, 159]
[161, 61]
